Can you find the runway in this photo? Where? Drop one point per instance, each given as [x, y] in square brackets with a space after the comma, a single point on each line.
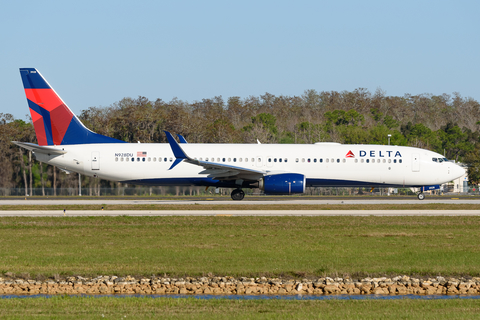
[413, 200]
[236, 204]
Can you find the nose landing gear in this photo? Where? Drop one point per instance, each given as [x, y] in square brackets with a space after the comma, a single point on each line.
[237, 194]
[420, 196]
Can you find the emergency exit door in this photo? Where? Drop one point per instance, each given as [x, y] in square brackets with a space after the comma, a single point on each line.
[95, 160]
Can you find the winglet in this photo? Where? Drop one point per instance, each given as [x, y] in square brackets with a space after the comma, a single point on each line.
[176, 149]
[181, 138]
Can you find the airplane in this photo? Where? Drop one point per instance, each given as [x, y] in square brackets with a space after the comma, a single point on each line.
[276, 169]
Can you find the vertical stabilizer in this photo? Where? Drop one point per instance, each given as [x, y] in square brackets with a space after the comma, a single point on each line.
[54, 122]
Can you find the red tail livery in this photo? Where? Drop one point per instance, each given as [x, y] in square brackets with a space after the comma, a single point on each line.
[54, 122]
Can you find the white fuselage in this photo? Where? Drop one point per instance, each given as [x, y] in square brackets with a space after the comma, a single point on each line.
[323, 164]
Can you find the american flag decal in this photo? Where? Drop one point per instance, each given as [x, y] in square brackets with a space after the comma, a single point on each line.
[141, 154]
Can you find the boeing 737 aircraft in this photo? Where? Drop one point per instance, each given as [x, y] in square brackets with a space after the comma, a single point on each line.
[63, 141]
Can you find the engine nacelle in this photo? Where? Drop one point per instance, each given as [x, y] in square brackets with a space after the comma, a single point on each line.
[283, 183]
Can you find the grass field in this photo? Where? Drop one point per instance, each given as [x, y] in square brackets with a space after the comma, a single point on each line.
[240, 246]
[127, 308]
[294, 247]
[229, 206]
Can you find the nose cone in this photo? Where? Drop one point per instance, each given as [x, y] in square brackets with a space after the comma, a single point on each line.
[457, 171]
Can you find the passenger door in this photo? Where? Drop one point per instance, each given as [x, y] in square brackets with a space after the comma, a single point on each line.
[415, 162]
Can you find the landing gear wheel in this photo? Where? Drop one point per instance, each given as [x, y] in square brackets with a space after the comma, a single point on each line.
[238, 194]
[420, 196]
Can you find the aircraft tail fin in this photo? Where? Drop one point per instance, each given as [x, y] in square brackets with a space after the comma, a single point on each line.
[54, 122]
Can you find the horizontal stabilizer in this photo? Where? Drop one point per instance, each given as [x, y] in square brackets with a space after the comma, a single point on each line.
[39, 149]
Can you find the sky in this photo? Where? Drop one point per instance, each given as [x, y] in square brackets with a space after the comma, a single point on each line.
[95, 53]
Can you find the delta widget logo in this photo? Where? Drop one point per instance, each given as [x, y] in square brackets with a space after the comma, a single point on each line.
[350, 154]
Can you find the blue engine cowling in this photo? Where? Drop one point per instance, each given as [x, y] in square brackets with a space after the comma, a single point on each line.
[283, 183]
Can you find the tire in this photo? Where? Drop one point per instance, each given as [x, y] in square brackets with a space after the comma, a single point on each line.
[420, 196]
[237, 194]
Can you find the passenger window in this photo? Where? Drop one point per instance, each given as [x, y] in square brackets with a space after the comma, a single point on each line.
[399, 160]
[285, 160]
[332, 160]
[344, 160]
[143, 159]
[121, 159]
[326, 160]
[303, 159]
[259, 159]
[165, 159]
[394, 160]
[274, 159]
[296, 160]
[389, 160]
[361, 161]
[338, 160]
[149, 159]
[280, 160]
[269, 160]
[171, 159]
[308, 160]
[320, 160]
[356, 160]
[368, 160]
[384, 160]
[116, 159]
[223, 159]
[133, 159]
[315, 160]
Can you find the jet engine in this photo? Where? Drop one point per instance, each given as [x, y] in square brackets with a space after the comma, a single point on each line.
[283, 183]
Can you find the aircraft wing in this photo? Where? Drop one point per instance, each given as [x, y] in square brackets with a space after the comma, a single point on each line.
[39, 149]
[217, 171]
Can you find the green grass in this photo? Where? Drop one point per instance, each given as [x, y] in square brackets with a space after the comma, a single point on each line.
[126, 308]
[240, 246]
[229, 206]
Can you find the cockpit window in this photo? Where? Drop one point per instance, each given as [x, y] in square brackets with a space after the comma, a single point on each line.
[434, 159]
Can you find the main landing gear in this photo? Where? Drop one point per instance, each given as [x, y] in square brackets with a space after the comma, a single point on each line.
[237, 194]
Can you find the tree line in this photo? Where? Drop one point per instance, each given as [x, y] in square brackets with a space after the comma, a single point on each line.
[447, 124]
